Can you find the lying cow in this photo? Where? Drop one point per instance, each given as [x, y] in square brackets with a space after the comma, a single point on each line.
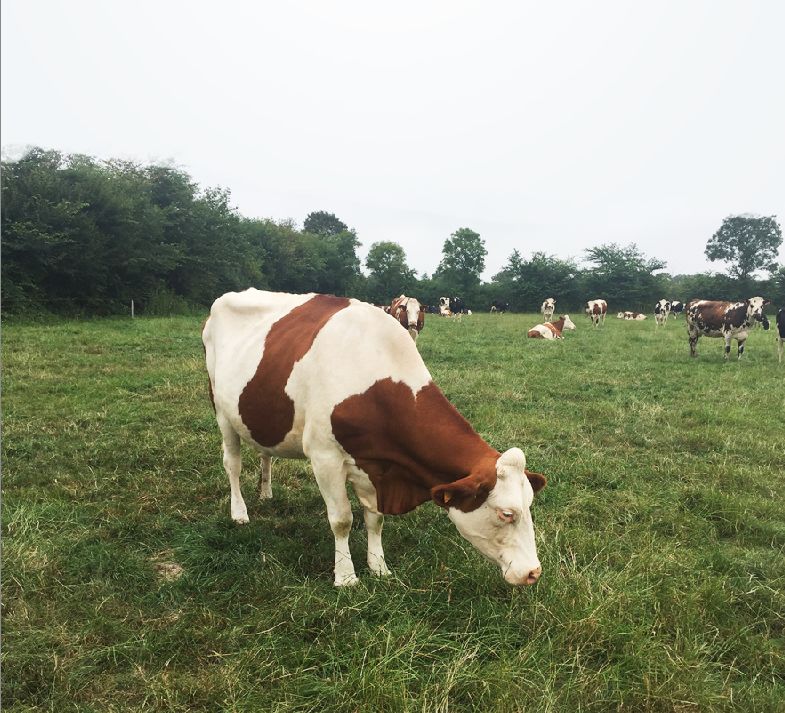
[729, 320]
[548, 308]
[631, 316]
[335, 380]
[780, 332]
[551, 330]
[661, 311]
[409, 313]
[451, 306]
[596, 311]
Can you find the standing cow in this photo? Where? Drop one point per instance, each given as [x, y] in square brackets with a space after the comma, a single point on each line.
[729, 320]
[780, 332]
[410, 313]
[676, 308]
[661, 311]
[596, 311]
[548, 308]
[500, 307]
[335, 380]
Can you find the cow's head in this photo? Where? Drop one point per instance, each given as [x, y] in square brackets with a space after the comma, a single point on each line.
[501, 527]
[568, 323]
[755, 307]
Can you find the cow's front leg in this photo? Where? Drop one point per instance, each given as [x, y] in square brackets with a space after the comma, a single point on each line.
[332, 485]
[727, 346]
[741, 347]
[232, 464]
[374, 521]
[693, 345]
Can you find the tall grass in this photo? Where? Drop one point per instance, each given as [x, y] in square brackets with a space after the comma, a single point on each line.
[661, 532]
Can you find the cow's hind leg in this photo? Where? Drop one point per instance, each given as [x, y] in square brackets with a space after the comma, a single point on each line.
[740, 343]
[332, 484]
[693, 344]
[727, 346]
[232, 464]
[264, 488]
[780, 342]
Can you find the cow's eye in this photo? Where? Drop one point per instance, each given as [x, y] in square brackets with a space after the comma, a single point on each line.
[507, 516]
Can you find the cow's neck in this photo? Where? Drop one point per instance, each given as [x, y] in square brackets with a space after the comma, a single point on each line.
[408, 445]
[559, 324]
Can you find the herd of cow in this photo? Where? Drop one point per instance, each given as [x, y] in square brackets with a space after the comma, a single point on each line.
[336, 381]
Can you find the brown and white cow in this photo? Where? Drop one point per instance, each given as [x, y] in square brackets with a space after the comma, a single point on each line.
[729, 320]
[637, 316]
[551, 330]
[410, 313]
[548, 308]
[335, 380]
[661, 311]
[596, 311]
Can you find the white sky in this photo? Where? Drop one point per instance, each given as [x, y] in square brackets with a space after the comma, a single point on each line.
[543, 126]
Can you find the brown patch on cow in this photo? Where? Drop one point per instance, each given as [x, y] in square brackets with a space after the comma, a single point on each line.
[554, 329]
[409, 446]
[538, 480]
[534, 334]
[265, 408]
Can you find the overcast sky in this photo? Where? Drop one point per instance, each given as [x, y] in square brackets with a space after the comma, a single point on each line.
[543, 126]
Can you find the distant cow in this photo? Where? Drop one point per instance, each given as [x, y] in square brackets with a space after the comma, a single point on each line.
[548, 308]
[500, 307]
[409, 313]
[431, 309]
[661, 311]
[676, 308]
[334, 380]
[551, 330]
[451, 305]
[596, 311]
[631, 315]
[729, 320]
[780, 332]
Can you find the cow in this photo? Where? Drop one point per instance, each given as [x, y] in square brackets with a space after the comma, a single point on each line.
[500, 307]
[596, 311]
[431, 309]
[335, 380]
[551, 330]
[729, 320]
[548, 308]
[661, 311]
[449, 306]
[631, 315]
[676, 308]
[410, 313]
[780, 332]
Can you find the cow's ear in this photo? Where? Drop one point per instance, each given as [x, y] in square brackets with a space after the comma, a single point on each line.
[766, 302]
[466, 494]
[538, 481]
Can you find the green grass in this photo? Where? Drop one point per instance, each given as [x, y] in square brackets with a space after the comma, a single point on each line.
[661, 533]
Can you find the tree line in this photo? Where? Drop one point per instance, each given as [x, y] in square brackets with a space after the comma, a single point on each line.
[86, 236]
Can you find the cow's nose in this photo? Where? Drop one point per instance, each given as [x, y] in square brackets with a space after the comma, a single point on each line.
[534, 575]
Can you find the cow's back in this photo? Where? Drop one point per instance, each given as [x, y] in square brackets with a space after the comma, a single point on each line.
[279, 363]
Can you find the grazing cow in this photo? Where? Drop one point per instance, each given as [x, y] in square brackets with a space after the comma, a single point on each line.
[596, 311]
[500, 307]
[780, 332]
[729, 320]
[631, 315]
[676, 308]
[548, 308]
[449, 306]
[409, 312]
[661, 311]
[551, 330]
[334, 380]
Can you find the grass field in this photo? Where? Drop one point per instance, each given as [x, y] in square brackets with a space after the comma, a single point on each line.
[661, 533]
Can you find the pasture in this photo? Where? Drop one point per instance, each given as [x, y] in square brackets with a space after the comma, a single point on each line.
[661, 534]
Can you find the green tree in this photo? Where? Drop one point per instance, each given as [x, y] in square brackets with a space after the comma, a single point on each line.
[526, 283]
[321, 222]
[463, 260]
[748, 242]
[389, 273]
[623, 276]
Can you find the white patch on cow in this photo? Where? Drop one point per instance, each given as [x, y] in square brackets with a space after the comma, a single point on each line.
[502, 528]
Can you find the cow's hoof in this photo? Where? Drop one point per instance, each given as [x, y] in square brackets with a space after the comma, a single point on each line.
[381, 571]
[240, 519]
[347, 581]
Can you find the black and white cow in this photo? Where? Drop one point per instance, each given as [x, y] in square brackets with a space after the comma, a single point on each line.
[500, 307]
[451, 305]
[729, 320]
[661, 311]
[676, 308]
[780, 332]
